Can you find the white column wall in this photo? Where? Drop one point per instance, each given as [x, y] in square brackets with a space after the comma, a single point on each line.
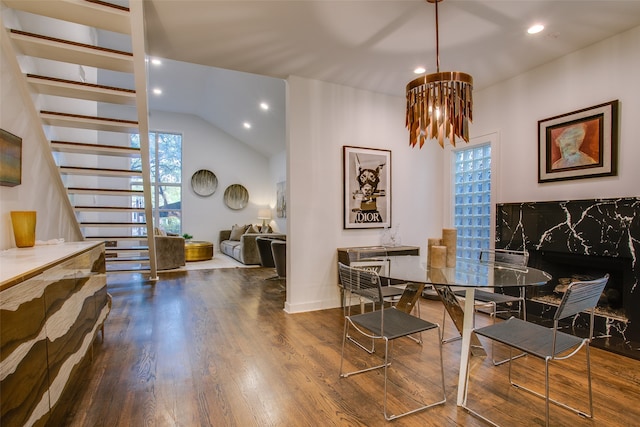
[322, 118]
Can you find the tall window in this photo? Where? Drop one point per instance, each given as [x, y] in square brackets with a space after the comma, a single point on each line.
[165, 157]
[472, 200]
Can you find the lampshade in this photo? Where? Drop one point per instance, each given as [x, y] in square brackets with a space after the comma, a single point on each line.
[264, 213]
[439, 105]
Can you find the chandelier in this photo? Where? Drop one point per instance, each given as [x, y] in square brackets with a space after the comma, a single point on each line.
[439, 105]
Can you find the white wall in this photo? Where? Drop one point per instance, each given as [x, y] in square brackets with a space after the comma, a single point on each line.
[37, 191]
[600, 73]
[233, 162]
[322, 119]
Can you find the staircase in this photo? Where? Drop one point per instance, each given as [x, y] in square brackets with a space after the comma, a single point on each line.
[83, 67]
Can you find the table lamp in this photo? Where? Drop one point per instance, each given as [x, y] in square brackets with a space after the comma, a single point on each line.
[264, 215]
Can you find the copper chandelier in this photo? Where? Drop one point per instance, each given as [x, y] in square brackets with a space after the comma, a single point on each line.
[439, 105]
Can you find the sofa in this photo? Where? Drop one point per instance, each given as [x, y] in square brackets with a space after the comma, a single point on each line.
[243, 247]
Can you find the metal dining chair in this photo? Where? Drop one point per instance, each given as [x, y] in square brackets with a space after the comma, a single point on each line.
[549, 344]
[498, 302]
[372, 258]
[384, 323]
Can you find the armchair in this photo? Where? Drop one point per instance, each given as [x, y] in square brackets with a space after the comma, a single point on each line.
[169, 252]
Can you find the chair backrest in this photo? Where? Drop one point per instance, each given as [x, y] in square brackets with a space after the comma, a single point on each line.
[373, 258]
[367, 252]
[505, 256]
[365, 283]
[581, 296]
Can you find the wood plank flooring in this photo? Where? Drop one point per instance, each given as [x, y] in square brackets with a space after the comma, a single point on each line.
[215, 348]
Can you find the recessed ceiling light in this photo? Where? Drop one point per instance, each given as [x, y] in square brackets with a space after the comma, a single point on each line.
[420, 70]
[157, 91]
[264, 106]
[247, 125]
[535, 29]
[156, 61]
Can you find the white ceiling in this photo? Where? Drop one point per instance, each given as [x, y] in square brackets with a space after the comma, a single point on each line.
[372, 45]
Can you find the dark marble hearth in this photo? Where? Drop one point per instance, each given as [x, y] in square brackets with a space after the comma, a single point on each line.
[582, 239]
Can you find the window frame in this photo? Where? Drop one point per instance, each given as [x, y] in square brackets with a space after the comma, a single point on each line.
[154, 137]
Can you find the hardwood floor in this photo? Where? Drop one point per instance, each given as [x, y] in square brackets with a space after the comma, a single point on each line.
[215, 348]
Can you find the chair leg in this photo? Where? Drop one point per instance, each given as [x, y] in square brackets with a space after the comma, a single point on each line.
[419, 339]
[352, 339]
[546, 390]
[546, 395]
[421, 408]
[494, 314]
[444, 322]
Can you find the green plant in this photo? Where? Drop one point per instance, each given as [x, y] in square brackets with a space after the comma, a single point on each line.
[187, 236]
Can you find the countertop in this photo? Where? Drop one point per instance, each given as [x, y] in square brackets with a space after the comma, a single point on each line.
[20, 264]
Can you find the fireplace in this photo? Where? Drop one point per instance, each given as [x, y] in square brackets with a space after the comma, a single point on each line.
[582, 240]
[567, 267]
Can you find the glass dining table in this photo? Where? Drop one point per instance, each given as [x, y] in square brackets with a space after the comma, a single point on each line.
[470, 275]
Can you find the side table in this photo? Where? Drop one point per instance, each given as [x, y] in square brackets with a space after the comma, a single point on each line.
[197, 250]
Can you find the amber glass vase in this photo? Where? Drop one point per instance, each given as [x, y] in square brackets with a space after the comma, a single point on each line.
[24, 228]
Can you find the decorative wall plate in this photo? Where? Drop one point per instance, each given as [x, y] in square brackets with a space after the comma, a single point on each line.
[204, 182]
[236, 196]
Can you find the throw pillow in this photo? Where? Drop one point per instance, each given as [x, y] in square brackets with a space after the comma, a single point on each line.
[237, 231]
[252, 229]
[266, 229]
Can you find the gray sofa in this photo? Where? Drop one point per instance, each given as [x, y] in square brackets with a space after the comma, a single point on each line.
[244, 250]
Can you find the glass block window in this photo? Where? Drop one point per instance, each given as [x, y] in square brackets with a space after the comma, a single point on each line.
[472, 200]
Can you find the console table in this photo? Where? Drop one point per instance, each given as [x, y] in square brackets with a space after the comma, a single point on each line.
[363, 251]
[53, 302]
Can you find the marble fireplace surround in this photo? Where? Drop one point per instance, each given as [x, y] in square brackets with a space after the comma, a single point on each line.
[604, 234]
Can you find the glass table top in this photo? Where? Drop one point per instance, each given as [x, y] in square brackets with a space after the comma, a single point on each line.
[464, 274]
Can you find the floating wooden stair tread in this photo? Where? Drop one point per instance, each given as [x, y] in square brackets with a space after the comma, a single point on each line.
[126, 249]
[79, 90]
[135, 259]
[114, 238]
[112, 224]
[88, 122]
[107, 209]
[138, 269]
[74, 170]
[40, 46]
[104, 191]
[82, 148]
[92, 13]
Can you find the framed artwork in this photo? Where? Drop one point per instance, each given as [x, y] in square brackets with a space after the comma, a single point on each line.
[580, 144]
[367, 187]
[10, 159]
[281, 202]
[204, 182]
[236, 197]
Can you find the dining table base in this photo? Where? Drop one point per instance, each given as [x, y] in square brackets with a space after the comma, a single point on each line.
[453, 307]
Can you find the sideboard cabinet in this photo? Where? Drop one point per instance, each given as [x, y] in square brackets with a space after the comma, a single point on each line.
[53, 302]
